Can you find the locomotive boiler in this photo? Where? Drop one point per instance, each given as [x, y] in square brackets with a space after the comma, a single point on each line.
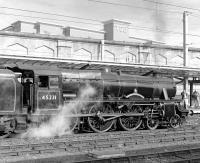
[121, 101]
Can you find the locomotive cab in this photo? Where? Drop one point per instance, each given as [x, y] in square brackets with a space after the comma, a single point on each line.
[47, 91]
[41, 89]
[25, 78]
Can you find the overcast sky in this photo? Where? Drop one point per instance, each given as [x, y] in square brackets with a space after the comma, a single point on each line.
[147, 18]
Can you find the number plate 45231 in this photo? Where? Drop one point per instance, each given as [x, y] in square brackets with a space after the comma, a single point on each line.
[48, 97]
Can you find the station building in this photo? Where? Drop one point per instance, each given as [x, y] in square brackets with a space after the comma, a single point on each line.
[41, 44]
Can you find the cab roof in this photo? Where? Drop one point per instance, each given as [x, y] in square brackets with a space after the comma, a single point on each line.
[6, 72]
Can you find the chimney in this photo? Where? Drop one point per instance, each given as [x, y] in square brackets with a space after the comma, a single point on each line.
[116, 30]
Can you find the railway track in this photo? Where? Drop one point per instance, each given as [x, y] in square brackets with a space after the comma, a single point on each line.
[91, 143]
[165, 154]
[178, 151]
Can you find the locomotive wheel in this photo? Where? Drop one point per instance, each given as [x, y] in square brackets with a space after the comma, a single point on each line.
[9, 129]
[152, 123]
[97, 124]
[131, 123]
[4, 134]
[175, 121]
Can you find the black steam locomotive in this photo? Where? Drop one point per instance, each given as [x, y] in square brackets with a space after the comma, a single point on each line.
[122, 101]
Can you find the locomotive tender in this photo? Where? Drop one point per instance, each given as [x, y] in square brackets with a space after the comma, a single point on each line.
[122, 101]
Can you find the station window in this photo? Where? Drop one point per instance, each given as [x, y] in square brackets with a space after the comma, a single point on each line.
[43, 81]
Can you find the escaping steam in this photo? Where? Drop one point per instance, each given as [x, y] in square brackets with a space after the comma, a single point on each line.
[60, 124]
[158, 19]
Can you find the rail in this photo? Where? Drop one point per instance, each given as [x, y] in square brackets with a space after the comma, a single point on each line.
[91, 146]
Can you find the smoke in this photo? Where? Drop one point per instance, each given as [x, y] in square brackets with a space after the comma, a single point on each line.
[159, 18]
[60, 123]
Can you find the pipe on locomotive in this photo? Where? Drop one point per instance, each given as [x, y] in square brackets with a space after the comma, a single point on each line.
[194, 112]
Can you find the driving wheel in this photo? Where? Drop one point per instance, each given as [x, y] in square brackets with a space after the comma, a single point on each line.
[131, 122]
[98, 122]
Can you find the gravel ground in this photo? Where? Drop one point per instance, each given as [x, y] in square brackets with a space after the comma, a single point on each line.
[193, 120]
[122, 140]
[190, 121]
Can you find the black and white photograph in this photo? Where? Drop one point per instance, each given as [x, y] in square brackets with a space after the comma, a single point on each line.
[100, 81]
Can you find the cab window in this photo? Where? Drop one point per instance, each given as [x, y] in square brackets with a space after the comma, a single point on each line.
[53, 82]
[43, 81]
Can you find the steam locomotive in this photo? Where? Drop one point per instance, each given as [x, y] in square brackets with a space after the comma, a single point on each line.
[122, 101]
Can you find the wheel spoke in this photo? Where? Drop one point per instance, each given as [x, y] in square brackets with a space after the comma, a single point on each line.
[9, 129]
[4, 135]
[175, 121]
[96, 123]
[131, 123]
[152, 124]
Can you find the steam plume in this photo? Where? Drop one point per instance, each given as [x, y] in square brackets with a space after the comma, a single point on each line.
[159, 18]
[60, 124]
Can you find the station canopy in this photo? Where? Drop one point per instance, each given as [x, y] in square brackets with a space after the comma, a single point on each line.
[135, 69]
